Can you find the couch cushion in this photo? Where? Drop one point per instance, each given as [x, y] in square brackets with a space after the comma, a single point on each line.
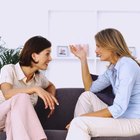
[42, 112]
[2, 136]
[118, 138]
[61, 135]
[67, 98]
[56, 134]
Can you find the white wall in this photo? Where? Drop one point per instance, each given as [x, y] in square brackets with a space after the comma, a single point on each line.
[19, 20]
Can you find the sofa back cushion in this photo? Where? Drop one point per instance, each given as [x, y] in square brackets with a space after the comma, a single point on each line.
[67, 98]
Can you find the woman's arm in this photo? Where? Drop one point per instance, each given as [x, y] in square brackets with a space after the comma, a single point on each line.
[49, 100]
[51, 89]
[9, 91]
[101, 113]
[81, 54]
[87, 80]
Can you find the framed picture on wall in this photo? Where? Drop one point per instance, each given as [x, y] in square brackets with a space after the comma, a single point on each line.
[62, 51]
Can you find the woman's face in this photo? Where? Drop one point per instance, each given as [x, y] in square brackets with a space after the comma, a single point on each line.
[104, 54]
[43, 59]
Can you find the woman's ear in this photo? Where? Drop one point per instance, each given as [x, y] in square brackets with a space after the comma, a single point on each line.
[35, 57]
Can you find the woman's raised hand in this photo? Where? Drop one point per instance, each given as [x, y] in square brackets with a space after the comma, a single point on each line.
[78, 51]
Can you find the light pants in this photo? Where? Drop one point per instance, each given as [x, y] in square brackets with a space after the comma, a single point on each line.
[18, 118]
[83, 128]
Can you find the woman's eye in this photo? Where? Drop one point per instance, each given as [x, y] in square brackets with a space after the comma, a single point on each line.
[48, 54]
[98, 46]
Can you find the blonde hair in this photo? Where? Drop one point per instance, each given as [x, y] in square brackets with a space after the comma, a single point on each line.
[113, 40]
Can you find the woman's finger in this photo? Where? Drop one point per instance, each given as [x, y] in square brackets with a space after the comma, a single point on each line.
[55, 100]
[51, 112]
[45, 102]
[50, 101]
[67, 126]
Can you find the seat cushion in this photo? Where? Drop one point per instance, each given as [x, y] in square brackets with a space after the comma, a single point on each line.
[61, 135]
[56, 134]
[2, 136]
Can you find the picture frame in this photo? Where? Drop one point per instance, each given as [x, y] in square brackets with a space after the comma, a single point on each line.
[62, 51]
[132, 51]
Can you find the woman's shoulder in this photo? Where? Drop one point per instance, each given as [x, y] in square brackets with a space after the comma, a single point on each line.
[42, 79]
[127, 60]
[124, 58]
[8, 66]
[128, 64]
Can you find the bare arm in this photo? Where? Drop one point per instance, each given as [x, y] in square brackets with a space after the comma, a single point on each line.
[51, 89]
[48, 99]
[87, 80]
[81, 54]
[9, 91]
[101, 113]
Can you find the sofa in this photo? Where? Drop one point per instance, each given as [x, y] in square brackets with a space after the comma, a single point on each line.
[54, 126]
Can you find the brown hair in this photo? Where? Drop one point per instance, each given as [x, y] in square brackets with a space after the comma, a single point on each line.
[35, 44]
[113, 40]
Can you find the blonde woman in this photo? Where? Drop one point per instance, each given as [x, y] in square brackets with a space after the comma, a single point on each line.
[93, 117]
[21, 85]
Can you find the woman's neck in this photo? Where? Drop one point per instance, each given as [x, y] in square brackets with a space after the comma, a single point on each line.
[115, 60]
[28, 71]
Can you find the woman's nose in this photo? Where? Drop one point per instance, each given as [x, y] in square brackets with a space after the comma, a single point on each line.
[50, 58]
[96, 50]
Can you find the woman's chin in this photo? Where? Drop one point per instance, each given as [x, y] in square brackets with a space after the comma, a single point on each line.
[102, 59]
[44, 68]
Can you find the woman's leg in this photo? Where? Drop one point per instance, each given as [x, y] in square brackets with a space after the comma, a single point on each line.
[22, 122]
[88, 102]
[4, 109]
[83, 128]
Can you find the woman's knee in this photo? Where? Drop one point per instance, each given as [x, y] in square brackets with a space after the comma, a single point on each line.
[79, 123]
[21, 97]
[87, 95]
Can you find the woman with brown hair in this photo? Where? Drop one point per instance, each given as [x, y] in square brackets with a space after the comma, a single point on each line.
[21, 85]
